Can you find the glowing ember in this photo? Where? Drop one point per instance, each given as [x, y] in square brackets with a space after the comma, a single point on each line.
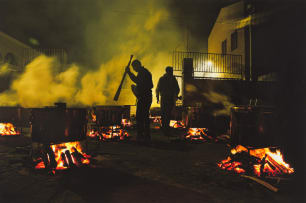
[156, 121]
[262, 162]
[7, 129]
[114, 132]
[197, 134]
[65, 155]
[93, 117]
[126, 123]
[93, 133]
[176, 124]
[109, 133]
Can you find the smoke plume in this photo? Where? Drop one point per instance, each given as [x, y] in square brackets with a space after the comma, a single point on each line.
[121, 28]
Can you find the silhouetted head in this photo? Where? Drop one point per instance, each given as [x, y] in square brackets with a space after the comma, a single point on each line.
[136, 64]
[169, 70]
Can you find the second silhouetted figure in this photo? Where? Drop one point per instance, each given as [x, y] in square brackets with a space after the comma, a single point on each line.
[168, 89]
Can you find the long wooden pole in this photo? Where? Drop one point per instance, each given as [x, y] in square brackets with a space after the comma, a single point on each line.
[116, 97]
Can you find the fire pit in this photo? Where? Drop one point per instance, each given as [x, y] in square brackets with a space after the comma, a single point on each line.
[8, 129]
[254, 126]
[13, 120]
[254, 142]
[197, 134]
[62, 156]
[109, 123]
[59, 130]
[260, 162]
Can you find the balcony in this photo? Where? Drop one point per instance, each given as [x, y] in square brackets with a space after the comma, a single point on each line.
[210, 66]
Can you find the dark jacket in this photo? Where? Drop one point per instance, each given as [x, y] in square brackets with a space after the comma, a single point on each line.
[167, 87]
[144, 83]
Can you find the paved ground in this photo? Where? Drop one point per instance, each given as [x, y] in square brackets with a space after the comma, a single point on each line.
[166, 171]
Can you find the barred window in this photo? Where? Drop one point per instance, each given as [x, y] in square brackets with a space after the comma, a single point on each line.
[234, 40]
[10, 58]
[224, 47]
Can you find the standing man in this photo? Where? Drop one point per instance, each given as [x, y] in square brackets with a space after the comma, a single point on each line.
[168, 89]
[142, 90]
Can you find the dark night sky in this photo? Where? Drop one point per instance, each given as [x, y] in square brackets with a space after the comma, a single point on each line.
[61, 23]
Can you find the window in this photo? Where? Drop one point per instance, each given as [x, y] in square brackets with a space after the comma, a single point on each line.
[224, 47]
[234, 40]
[10, 58]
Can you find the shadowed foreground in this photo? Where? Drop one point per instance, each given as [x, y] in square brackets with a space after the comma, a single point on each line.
[165, 171]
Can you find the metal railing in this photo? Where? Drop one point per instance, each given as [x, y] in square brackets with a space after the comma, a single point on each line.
[210, 65]
[30, 54]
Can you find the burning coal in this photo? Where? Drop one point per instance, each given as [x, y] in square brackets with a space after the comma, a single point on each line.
[126, 123]
[177, 124]
[62, 156]
[8, 129]
[197, 134]
[109, 133]
[261, 162]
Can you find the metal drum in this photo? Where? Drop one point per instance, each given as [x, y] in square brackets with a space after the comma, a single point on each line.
[254, 126]
[18, 116]
[58, 124]
[111, 115]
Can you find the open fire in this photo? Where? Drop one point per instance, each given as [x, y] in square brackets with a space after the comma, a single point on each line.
[126, 123]
[109, 133]
[7, 129]
[261, 162]
[177, 124]
[197, 134]
[156, 122]
[62, 156]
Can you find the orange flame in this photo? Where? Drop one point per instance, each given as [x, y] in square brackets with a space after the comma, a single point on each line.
[176, 124]
[115, 131]
[156, 122]
[60, 152]
[7, 129]
[126, 123]
[197, 134]
[270, 163]
[93, 117]
[107, 133]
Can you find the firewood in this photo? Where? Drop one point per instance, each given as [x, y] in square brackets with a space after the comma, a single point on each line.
[267, 185]
[52, 161]
[278, 179]
[77, 156]
[277, 165]
[262, 166]
[45, 159]
[63, 157]
[70, 161]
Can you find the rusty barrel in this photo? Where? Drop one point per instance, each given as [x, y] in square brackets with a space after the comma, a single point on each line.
[111, 115]
[254, 126]
[58, 124]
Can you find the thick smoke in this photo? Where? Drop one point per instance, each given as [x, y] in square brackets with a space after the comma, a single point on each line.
[122, 28]
[218, 98]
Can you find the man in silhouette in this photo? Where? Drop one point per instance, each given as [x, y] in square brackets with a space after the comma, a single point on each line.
[143, 91]
[168, 89]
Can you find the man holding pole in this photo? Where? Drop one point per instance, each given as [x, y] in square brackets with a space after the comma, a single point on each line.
[143, 91]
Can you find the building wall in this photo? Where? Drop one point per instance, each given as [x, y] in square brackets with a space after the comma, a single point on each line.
[9, 45]
[229, 20]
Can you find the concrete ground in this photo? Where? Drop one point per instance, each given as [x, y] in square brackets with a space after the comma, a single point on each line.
[166, 171]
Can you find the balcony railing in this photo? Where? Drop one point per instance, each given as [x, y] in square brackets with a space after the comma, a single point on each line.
[208, 65]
